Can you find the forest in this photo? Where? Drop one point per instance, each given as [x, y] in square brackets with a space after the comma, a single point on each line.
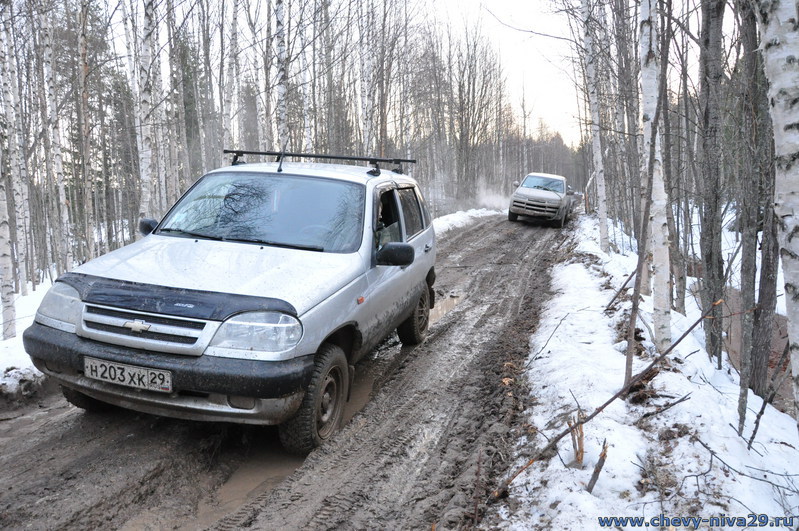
[111, 109]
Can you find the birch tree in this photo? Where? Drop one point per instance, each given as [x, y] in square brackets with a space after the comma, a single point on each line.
[19, 171]
[593, 102]
[63, 227]
[779, 43]
[145, 110]
[652, 165]
[282, 75]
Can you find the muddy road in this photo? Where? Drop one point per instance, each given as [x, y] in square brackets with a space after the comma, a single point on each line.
[430, 428]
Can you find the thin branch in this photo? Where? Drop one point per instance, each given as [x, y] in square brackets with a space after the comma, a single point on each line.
[502, 489]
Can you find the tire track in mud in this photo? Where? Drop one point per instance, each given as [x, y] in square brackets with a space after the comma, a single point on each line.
[425, 449]
[434, 439]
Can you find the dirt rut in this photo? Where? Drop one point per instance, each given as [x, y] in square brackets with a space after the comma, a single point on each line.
[426, 449]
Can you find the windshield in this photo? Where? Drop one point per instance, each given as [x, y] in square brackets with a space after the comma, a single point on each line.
[281, 210]
[544, 183]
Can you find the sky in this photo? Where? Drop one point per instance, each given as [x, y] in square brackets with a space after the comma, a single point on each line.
[541, 65]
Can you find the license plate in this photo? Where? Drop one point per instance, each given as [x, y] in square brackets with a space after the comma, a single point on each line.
[128, 375]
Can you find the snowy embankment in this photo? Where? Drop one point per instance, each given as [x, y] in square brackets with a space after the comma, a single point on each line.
[686, 462]
[18, 376]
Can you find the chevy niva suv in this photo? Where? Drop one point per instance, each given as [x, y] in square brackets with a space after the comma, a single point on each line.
[542, 196]
[250, 301]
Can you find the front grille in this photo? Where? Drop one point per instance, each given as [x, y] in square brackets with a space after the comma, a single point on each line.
[536, 207]
[145, 330]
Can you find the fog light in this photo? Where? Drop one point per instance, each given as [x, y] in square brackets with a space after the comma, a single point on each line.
[241, 402]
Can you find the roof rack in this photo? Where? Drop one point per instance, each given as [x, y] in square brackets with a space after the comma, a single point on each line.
[280, 155]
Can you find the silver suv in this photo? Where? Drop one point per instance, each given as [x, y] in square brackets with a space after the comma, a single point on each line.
[543, 196]
[250, 301]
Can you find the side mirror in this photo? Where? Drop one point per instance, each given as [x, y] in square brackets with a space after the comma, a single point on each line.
[147, 225]
[515, 183]
[396, 254]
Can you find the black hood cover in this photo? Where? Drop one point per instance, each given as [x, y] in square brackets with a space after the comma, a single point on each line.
[151, 298]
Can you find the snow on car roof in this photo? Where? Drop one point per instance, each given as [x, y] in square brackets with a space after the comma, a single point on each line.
[346, 172]
[550, 175]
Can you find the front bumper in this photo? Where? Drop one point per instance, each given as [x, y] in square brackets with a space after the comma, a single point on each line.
[535, 208]
[204, 387]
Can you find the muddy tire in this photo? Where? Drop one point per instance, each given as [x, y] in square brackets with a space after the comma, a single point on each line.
[512, 216]
[87, 403]
[560, 222]
[413, 330]
[322, 409]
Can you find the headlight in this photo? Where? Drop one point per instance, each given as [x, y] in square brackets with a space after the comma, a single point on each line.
[61, 308]
[255, 335]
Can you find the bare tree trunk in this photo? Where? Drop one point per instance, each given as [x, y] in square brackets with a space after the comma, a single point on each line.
[282, 75]
[366, 27]
[779, 38]
[146, 88]
[6, 261]
[19, 169]
[65, 258]
[711, 77]
[85, 136]
[652, 162]
[596, 143]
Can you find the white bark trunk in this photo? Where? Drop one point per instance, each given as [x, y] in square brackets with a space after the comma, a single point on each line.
[6, 262]
[282, 76]
[779, 39]
[596, 144]
[145, 109]
[306, 92]
[649, 56]
[65, 229]
[19, 169]
[231, 95]
[366, 26]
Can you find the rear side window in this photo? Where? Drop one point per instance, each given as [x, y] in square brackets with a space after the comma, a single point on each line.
[411, 211]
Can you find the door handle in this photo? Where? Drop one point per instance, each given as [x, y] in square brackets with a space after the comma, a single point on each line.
[428, 248]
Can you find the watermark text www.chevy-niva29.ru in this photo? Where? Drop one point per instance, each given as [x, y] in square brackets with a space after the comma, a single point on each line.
[694, 522]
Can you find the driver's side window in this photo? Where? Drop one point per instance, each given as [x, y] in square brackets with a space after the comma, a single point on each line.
[387, 228]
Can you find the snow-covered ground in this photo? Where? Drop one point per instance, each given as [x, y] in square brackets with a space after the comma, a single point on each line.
[15, 365]
[685, 462]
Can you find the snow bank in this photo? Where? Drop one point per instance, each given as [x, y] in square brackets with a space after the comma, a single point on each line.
[16, 369]
[687, 461]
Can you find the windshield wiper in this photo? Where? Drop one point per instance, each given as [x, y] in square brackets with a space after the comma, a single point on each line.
[192, 234]
[299, 246]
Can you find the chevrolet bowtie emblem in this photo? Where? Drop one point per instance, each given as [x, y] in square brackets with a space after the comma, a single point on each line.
[137, 326]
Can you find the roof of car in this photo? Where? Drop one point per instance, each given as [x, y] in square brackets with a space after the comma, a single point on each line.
[345, 172]
[550, 175]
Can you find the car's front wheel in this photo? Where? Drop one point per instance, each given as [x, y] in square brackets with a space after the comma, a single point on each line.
[413, 330]
[322, 409]
[512, 216]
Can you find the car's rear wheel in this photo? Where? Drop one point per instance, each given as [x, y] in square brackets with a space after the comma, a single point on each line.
[322, 409]
[413, 330]
[87, 403]
[512, 216]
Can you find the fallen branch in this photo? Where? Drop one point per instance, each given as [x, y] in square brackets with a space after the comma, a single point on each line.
[616, 296]
[664, 407]
[598, 468]
[750, 476]
[502, 489]
[547, 342]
